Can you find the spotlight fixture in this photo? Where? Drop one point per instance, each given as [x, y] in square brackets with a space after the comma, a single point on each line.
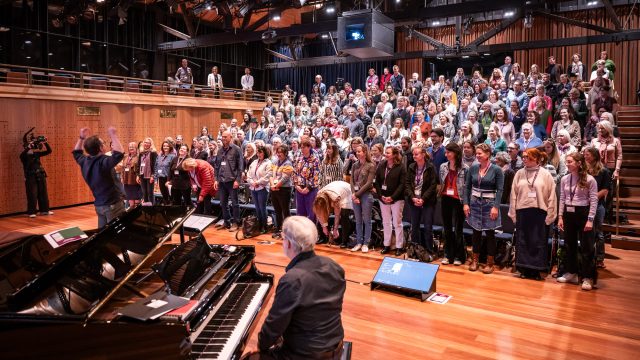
[324, 36]
[509, 14]
[4, 29]
[436, 23]
[275, 16]
[330, 9]
[100, 1]
[28, 42]
[592, 3]
[465, 56]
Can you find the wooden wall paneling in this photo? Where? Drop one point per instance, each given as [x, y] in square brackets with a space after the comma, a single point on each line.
[58, 120]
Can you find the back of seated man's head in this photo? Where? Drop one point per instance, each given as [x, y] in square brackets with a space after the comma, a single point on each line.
[300, 233]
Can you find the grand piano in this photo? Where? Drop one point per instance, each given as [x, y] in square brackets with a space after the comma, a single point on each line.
[66, 303]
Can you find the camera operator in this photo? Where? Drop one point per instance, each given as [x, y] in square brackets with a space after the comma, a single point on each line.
[34, 174]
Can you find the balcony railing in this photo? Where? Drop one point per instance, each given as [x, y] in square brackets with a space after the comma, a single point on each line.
[31, 76]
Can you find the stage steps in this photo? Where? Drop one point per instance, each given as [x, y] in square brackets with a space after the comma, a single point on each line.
[628, 120]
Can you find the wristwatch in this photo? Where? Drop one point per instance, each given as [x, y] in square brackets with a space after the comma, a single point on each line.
[590, 218]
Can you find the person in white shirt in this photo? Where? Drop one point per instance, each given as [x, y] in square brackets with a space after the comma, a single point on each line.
[214, 81]
[247, 81]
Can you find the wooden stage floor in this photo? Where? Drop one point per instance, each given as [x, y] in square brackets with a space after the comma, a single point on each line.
[496, 316]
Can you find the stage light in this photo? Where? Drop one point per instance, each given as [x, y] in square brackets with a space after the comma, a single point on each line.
[324, 36]
[592, 3]
[275, 16]
[465, 56]
[331, 9]
[509, 14]
[28, 42]
[100, 1]
[436, 23]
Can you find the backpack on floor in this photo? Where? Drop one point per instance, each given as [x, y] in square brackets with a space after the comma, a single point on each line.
[418, 252]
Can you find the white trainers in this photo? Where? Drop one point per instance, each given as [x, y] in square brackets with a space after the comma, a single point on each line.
[587, 284]
[365, 248]
[32, 215]
[357, 247]
[444, 261]
[457, 262]
[567, 277]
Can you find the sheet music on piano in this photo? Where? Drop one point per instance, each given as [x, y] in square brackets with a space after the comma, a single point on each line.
[198, 223]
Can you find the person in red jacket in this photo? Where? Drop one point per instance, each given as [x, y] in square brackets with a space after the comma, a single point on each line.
[202, 179]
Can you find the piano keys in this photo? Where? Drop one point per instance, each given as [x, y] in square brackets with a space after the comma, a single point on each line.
[67, 302]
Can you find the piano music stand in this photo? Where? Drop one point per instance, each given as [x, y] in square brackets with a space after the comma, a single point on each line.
[194, 225]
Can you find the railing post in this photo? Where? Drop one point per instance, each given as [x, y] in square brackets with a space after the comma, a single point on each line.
[618, 205]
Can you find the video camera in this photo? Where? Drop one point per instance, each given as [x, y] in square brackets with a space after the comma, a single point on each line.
[30, 141]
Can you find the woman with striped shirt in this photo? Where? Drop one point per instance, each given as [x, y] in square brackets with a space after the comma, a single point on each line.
[331, 166]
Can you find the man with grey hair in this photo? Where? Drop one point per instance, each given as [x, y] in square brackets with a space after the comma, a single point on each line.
[228, 167]
[307, 306]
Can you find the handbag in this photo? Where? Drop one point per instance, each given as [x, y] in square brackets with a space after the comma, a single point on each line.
[250, 227]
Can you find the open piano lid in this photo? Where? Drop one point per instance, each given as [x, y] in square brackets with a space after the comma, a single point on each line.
[26, 276]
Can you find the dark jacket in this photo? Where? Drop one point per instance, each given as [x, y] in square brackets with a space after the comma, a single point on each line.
[234, 163]
[428, 192]
[307, 307]
[181, 180]
[394, 181]
[154, 156]
[31, 162]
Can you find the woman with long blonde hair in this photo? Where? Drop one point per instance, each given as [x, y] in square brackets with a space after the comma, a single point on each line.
[147, 161]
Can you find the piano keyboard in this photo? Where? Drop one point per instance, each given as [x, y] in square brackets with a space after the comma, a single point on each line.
[226, 324]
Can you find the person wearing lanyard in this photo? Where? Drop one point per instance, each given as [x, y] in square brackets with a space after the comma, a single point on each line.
[163, 162]
[532, 208]
[389, 185]
[578, 204]
[281, 173]
[420, 191]
[258, 179]
[482, 204]
[179, 179]
[307, 179]
[202, 177]
[453, 174]
[603, 179]
[147, 161]
[129, 169]
[364, 171]
[229, 166]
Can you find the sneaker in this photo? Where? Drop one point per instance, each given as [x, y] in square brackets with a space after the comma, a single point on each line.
[444, 261]
[32, 215]
[46, 213]
[365, 249]
[233, 228]
[457, 262]
[343, 246]
[587, 284]
[567, 277]
[357, 247]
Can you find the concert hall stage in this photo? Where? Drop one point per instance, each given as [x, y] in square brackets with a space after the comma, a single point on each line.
[489, 317]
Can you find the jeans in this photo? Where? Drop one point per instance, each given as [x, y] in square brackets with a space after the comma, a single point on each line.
[362, 213]
[422, 215]
[597, 228]
[260, 201]
[573, 232]
[226, 190]
[392, 220]
[147, 190]
[304, 204]
[106, 213]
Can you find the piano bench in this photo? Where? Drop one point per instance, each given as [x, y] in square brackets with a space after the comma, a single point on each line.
[346, 350]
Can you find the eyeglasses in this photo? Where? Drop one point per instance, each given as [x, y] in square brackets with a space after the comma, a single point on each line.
[512, 148]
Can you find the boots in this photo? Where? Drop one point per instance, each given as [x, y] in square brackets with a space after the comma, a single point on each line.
[474, 263]
[489, 268]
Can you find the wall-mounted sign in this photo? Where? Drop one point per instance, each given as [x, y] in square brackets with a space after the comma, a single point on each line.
[88, 110]
[168, 114]
[226, 116]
